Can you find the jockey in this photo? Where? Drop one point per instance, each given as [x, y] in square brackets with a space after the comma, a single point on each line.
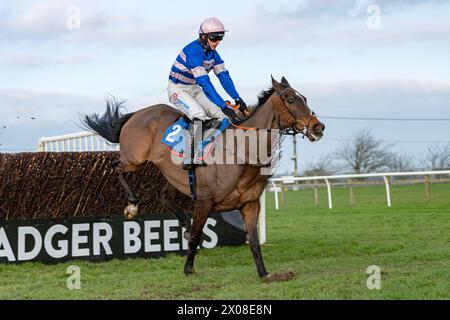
[190, 89]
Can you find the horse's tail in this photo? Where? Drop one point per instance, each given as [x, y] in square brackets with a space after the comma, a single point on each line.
[110, 123]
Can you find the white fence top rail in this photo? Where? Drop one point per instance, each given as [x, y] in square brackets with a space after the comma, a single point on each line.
[80, 141]
[384, 175]
[67, 136]
[362, 175]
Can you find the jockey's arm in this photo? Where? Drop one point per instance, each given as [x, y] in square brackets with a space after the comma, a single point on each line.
[226, 81]
[224, 77]
[203, 80]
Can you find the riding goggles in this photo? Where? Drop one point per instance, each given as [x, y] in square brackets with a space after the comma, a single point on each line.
[214, 37]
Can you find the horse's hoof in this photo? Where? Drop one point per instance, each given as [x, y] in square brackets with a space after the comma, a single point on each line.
[188, 271]
[187, 235]
[266, 278]
[130, 211]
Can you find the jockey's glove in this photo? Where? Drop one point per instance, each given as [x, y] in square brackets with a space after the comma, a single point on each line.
[231, 114]
[242, 105]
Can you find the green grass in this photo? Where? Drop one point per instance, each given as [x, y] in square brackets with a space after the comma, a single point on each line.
[329, 250]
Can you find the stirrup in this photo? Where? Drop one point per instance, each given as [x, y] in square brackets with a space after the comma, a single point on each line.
[200, 163]
[188, 166]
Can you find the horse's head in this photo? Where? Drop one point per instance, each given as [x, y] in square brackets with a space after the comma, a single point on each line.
[294, 113]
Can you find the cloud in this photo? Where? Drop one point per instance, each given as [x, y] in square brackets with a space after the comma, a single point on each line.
[344, 21]
[342, 9]
[306, 22]
[48, 109]
[29, 115]
[39, 61]
[48, 20]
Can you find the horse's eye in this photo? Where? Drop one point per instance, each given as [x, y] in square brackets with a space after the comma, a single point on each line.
[290, 100]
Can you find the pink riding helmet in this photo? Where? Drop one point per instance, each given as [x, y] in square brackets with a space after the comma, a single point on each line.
[211, 25]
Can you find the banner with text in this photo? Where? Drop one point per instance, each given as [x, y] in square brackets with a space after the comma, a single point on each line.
[105, 238]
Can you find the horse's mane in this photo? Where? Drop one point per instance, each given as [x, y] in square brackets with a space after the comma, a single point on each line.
[262, 98]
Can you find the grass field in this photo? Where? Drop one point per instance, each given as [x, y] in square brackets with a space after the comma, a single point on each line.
[329, 250]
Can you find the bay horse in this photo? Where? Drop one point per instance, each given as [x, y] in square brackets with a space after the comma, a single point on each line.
[220, 187]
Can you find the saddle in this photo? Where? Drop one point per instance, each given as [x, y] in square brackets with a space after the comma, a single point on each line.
[175, 135]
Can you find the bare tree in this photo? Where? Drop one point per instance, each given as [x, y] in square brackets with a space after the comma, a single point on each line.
[438, 157]
[322, 167]
[363, 154]
[401, 162]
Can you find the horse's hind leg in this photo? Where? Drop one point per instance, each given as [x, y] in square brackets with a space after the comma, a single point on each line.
[167, 198]
[250, 212]
[201, 212]
[131, 209]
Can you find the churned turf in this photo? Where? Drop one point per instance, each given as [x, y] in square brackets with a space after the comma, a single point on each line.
[329, 251]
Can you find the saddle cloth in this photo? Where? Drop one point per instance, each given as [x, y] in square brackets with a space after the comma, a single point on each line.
[175, 135]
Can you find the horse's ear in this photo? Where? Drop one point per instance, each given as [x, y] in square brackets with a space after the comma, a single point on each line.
[276, 85]
[283, 80]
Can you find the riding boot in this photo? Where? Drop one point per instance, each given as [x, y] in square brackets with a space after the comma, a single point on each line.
[189, 148]
[192, 146]
[197, 143]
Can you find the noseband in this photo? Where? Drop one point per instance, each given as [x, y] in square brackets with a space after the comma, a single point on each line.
[295, 125]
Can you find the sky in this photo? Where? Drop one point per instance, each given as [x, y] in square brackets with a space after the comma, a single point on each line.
[350, 58]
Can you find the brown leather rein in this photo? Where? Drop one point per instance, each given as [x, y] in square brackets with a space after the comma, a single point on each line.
[295, 125]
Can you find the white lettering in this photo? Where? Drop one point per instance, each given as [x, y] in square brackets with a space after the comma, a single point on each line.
[374, 281]
[62, 244]
[211, 234]
[374, 21]
[102, 240]
[22, 254]
[149, 236]
[131, 231]
[168, 235]
[74, 17]
[5, 247]
[184, 242]
[74, 280]
[77, 239]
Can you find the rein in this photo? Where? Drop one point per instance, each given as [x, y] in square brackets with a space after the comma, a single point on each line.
[286, 116]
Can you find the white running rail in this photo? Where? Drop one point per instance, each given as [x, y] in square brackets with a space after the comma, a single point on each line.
[81, 141]
[290, 180]
[385, 176]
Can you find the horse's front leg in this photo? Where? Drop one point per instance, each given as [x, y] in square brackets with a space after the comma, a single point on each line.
[131, 210]
[201, 212]
[250, 212]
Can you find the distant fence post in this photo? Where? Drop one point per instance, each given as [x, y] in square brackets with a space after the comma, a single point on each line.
[388, 190]
[40, 147]
[276, 194]
[316, 192]
[428, 187]
[352, 196]
[282, 194]
[330, 202]
[262, 218]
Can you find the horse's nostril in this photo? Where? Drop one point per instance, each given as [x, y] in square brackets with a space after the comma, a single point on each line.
[318, 128]
[322, 126]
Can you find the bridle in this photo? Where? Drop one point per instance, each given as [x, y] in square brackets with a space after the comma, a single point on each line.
[295, 125]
